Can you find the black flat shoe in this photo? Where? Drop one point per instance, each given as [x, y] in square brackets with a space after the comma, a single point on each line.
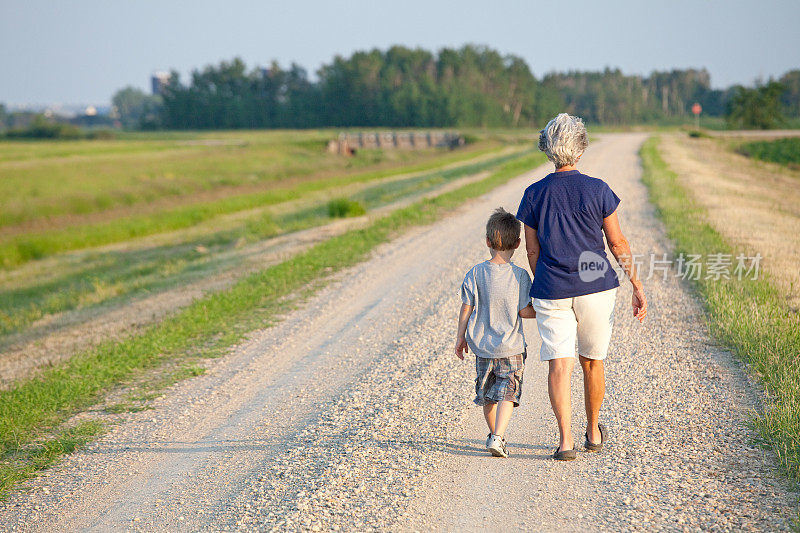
[566, 455]
[596, 447]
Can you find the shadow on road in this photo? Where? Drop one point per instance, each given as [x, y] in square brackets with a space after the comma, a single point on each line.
[477, 448]
[465, 447]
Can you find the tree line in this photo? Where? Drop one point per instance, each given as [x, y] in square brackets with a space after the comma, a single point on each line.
[465, 87]
[399, 87]
[469, 86]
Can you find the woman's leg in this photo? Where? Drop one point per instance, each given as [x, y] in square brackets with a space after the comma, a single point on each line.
[595, 314]
[558, 386]
[594, 389]
[557, 328]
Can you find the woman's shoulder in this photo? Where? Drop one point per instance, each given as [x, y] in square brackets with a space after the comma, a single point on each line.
[539, 185]
[593, 186]
[597, 182]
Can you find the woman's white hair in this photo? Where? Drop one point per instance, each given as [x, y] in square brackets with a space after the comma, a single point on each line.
[563, 140]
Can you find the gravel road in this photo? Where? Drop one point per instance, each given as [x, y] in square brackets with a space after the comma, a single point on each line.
[351, 414]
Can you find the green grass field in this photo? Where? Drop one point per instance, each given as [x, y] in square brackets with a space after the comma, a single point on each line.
[102, 277]
[783, 151]
[751, 317]
[60, 196]
[33, 410]
[159, 245]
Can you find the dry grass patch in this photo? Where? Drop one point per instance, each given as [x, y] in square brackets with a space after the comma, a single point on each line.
[753, 205]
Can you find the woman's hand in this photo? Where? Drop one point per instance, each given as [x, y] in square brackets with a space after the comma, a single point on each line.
[639, 302]
[619, 246]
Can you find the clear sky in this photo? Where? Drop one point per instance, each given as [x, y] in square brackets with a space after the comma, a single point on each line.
[82, 51]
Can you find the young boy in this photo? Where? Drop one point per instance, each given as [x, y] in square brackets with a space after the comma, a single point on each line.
[495, 296]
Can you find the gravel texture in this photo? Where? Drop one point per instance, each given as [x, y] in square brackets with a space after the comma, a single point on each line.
[352, 414]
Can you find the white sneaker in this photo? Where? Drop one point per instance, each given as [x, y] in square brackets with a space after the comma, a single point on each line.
[488, 440]
[497, 445]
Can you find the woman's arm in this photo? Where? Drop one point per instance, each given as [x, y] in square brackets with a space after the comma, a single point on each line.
[622, 253]
[532, 247]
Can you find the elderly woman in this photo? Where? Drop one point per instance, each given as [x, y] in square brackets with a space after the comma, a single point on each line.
[574, 286]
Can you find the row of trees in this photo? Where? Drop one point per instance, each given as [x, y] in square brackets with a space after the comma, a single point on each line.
[611, 97]
[759, 107]
[470, 86]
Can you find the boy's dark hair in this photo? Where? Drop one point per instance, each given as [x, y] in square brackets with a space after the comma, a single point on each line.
[502, 230]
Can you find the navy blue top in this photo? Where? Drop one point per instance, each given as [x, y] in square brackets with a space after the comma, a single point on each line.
[567, 210]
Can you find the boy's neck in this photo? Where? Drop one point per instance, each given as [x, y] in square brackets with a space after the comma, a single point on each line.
[501, 257]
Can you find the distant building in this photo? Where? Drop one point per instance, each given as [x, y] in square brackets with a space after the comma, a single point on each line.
[159, 80]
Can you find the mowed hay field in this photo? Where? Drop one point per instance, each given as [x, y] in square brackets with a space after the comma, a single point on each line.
[97, 237]
[123, 189]
[754, 204]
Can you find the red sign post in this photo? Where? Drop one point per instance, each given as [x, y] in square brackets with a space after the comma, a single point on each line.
[697, 109]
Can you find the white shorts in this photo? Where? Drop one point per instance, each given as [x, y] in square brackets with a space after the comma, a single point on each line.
[587, 319]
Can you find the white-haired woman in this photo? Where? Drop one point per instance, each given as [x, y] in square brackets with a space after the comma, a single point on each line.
[574, 286]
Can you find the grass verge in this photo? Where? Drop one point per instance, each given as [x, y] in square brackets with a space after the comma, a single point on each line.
[751, 317]
[19, 249]
[783, 151]
[33, 410]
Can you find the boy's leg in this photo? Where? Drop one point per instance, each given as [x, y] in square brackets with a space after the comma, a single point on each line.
[490, 414]
[504, 410]
[484, 381]
[558, 386]
[509, 375]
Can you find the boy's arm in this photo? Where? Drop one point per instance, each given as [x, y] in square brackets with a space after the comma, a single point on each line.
[461, 341]
[525, 307]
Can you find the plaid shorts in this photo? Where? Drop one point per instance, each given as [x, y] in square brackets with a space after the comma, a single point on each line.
[499, 379]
